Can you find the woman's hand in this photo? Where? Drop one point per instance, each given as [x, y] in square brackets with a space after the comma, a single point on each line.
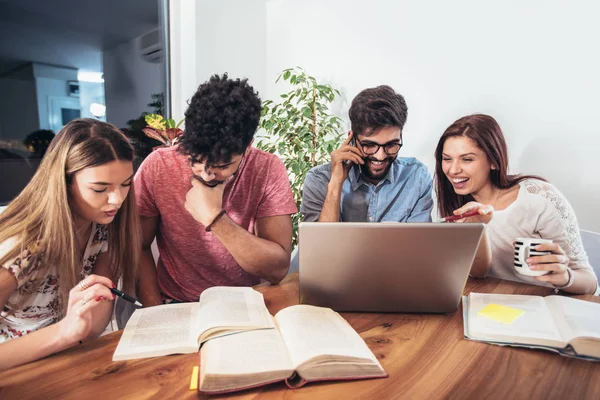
[486, 212]
[556, 263]
[83, 298]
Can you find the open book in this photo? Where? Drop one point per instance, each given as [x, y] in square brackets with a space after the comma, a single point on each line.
[182, 328]
[309, 344]
[568, 326]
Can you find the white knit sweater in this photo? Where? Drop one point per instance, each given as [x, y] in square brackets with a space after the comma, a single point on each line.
[540, 211]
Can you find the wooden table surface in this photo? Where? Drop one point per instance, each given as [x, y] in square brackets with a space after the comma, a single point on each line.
[426, 357]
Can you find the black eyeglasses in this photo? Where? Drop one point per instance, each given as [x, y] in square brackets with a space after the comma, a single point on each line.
[370, 148]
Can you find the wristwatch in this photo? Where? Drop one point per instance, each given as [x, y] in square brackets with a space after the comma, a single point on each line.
[569, 282]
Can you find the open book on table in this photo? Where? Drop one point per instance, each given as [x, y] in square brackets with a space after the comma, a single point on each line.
[308, 344]
[182, 328]
[568, 326]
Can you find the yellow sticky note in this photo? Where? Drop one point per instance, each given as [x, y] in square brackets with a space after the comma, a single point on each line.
[497, 312]
[194, 379]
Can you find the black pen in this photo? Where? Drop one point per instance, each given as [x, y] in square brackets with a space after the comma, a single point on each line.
[125, 297]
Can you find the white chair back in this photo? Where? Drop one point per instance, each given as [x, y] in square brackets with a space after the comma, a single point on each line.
[591, 244]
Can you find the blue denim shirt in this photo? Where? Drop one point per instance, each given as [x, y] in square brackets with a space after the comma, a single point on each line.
[404, 195]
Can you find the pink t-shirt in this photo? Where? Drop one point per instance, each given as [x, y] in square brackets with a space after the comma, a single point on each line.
[192, 259]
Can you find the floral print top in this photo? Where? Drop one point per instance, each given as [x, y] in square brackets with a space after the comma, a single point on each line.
[39, 297]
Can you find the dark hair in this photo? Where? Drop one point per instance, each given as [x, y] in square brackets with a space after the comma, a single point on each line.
[377, 108]
[487, 135]
[39, 140]
[221, 120]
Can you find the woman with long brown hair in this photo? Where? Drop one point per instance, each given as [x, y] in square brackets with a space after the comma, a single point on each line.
[471, 174]
[71, 233]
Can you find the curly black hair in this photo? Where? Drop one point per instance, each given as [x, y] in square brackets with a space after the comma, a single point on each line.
[376, 108]
[221, 120]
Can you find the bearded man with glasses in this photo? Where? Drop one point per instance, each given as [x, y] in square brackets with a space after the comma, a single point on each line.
[366, 181]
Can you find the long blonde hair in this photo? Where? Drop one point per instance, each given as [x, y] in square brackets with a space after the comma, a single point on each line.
[41, 219]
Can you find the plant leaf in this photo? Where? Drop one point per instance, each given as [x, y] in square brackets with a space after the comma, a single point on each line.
[300, 129]
[154, 134]
[155, 121]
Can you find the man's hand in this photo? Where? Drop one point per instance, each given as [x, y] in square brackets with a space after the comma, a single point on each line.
[342, 160]
[204, 202]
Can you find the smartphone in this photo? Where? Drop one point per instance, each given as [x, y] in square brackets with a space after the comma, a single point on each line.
[352, 143]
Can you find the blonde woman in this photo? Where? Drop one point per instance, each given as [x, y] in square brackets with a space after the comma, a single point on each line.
[70, 234]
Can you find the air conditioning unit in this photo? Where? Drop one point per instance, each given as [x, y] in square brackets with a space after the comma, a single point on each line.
[151, 46]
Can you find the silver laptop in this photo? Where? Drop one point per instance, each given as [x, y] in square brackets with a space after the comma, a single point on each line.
[386, 267]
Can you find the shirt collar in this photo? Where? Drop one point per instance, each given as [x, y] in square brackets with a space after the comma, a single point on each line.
[356, 177]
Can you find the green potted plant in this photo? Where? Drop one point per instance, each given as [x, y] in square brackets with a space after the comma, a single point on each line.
[300, 129]
[162, 129]
[142, 143]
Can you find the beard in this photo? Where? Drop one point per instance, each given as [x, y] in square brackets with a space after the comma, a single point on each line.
[212, 183]
[376, 176]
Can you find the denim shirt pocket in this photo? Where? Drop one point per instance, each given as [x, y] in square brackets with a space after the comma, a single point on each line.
[399, 215]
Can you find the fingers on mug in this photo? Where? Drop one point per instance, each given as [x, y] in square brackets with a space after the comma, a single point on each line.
[524, 248]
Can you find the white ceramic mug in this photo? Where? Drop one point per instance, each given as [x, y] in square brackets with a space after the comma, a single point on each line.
[525, 248]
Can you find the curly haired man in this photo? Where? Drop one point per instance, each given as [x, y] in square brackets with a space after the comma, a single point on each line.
[219, 208]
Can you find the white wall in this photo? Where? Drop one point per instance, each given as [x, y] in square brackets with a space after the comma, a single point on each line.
[90, 92]
[182, 42]
[18, 108]
[212, 37]
[129, 82]
[51, 82]
[24, 105]
[46, 88]
[530, 65]
[533, 66]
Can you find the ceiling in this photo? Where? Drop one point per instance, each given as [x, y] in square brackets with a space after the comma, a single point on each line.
[71, 33]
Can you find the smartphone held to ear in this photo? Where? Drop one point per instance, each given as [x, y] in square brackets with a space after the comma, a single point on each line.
[351, 143]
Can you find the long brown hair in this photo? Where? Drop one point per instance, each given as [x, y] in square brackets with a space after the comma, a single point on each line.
[487, 135]
[41, 218]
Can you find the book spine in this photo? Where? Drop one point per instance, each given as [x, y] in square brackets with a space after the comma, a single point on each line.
[236, 389]
[296, 383]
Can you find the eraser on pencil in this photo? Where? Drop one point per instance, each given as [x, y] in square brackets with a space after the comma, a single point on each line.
[194, 379]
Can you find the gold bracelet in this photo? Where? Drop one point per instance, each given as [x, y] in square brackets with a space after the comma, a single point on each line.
[214, 221]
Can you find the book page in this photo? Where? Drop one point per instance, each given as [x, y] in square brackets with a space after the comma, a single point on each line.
[224, 307]
[247, 359]
[159, 330]
[574, 317]
[310, 331]
[534, 324]
[246, 353]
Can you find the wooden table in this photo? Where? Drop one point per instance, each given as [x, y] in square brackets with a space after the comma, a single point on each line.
[426, 357]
